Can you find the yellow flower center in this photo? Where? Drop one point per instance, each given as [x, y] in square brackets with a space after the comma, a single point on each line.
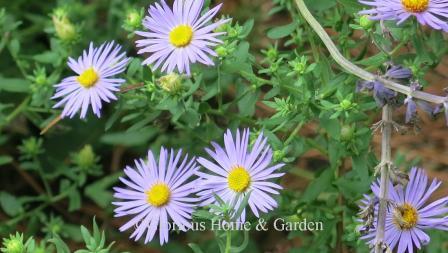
[181, 35]
[159, 195]
[405, 217]
[88, 78]
[238, 179]
[415, 6]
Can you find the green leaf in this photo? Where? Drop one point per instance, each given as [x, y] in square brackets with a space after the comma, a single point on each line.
[195, 248]
[10, 204]
[319, 185]
[130, 138]
[14, 85]
[320, 5]
[61, 247]
[49, 57]
[14, 47]
[281, 31]
[4, 159]
[85, 235]
[99, 191]
[242, 206]
[375, 60]
[247, 28]
[74, 201]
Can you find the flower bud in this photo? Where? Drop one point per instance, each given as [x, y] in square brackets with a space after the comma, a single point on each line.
[31, 147]
[299, 65]
[133, 19]
[14, 244]
[347, 133]
[223, 28]
[346, 104]
[171, 83]
[279, 155]
[65, 30]
[221, 51]
[365, 22]
[40, 76]
[86, 157]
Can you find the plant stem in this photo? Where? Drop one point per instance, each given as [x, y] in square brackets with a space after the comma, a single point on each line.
[39, 208]
[51, 124]
[384, 181]
[294, 133]
[18, 110]
[228, 241]
[132, 87]
[357, 71]
[219, 87]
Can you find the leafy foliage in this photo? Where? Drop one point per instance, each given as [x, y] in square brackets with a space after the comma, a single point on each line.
[274, 77]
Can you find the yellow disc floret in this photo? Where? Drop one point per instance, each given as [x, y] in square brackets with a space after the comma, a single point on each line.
[415, 6]
[181, 35]
[405, 217]
[238, 179]
[158, 195]
[88, 78]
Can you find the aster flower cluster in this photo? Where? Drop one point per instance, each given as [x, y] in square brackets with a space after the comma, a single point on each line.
[176, 38]
[171, 188]
[409, 213]
[165, 191]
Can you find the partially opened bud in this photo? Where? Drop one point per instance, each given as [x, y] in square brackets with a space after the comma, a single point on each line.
[64, 28]
[171, 83]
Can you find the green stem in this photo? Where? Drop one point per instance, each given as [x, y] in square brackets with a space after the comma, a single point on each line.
[228, 241]
[219, 86]
[294, 133]
[39, 208]
[18, 110]
[42, 177]
[398, 47]
[4, 40]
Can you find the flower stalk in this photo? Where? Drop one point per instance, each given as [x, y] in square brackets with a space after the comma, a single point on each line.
[384, 181]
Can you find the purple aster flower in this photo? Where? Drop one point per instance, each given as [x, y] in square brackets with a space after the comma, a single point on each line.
[428, 12]
[409, 213]
[180, 36]
[156, 193]
[94, 82]
[237, 170]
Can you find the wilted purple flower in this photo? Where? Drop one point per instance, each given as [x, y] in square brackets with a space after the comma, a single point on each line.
[179, 37]
[94, 82]
[411, 109]
[155, 193]
[236, 171]
[398, 72]
[412, 104]
[428, 12]
[409, 214]
[381, 94]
